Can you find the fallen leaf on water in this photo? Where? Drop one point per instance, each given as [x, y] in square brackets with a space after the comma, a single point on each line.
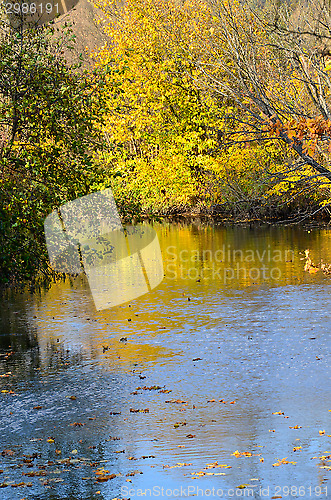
[296, 427]
[152, 388]
[211, 400]
[217, 465]
[321, 433]
[37, 407]
[282, 461]
[278, 413]
[178, 464]
[73, 398]
[297, 448]
[50, 440]
[242, 453]
[77, 424]
[190, 436]
[272, 430]
[178, 401]
[7, 453]
[177, 424]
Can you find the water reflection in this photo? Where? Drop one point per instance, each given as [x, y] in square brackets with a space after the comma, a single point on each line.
[207, 358]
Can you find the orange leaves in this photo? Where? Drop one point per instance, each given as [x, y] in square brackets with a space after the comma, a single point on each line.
[177, 401]
[282, 461]
[146, 410]
[221, 401]
[242, 454]
[103, 475]
[307, 131]
[8, 453]
[216, 465]
[77, 424]
[178, 464]
[152, 388]
[177, 424]
[296, 427]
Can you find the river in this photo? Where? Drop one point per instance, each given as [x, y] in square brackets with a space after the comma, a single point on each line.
[214, 384]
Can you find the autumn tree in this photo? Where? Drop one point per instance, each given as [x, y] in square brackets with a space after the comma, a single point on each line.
[47, 138]
[274, 65]
[160, 125]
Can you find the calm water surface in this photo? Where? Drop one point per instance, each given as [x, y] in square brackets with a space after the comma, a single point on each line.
[236, 332]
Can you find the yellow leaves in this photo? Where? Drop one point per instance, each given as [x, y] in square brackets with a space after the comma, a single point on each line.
[178, 464]
[321, 433]
[216, 465]
[242, 454]
[103, 475]
[177, 424]
[282, 461]
[296, 427]
[297, 448]
[278, 413]
[50, 440]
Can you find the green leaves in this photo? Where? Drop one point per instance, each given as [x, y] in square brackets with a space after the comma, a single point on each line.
[47, 139]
